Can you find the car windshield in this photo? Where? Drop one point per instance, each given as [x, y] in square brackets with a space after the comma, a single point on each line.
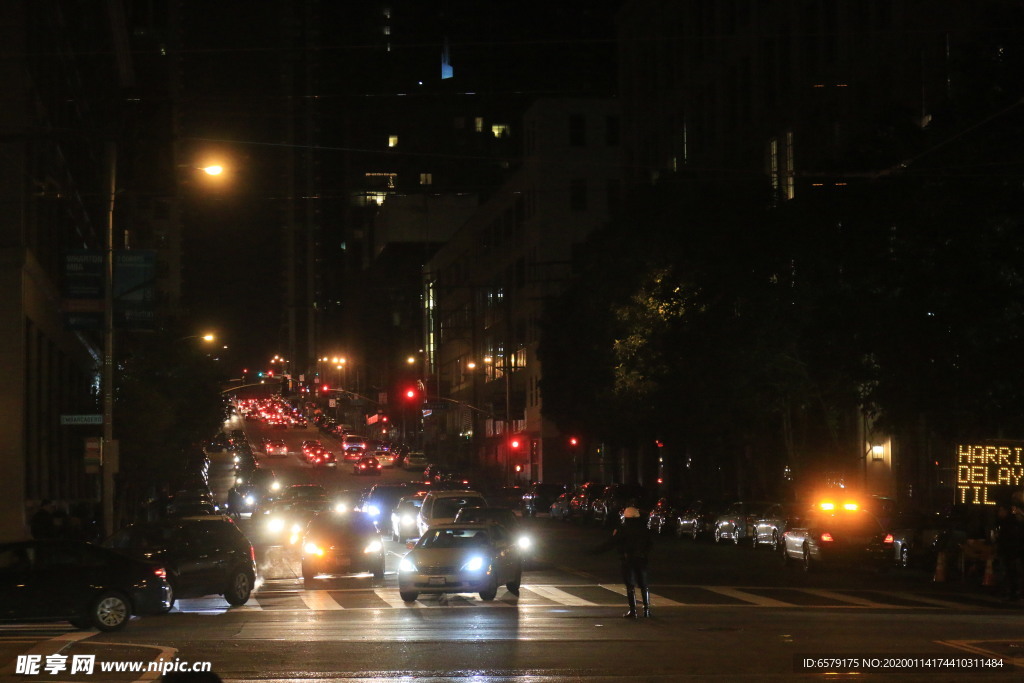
[447, 507]
[455, 538]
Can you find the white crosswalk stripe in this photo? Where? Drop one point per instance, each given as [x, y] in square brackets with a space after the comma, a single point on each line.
[584, 595]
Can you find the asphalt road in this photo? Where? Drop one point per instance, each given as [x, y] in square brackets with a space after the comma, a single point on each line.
[720, 613]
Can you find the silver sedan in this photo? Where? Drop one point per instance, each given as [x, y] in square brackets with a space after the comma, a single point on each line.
[461, 558]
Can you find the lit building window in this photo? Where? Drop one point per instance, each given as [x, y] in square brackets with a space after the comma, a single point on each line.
[500, 130]
[387, 30]
[392, 141]
[478, 124]
[426, 178]
[773, 164]
[387, 12]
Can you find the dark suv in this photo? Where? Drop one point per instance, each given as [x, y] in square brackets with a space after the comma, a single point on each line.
[203, 555]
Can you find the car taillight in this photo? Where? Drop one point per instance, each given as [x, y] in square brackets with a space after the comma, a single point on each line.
[161, 572]
[827, 537]
[252, 553]
[888, 538]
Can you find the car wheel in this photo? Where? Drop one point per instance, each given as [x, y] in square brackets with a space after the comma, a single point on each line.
[110, 611]
[718, 534]
[513, 586]
[490, 592]
[378, 572]
[694, 532]
[807, 559]
[904, 557]
[239, 588]
[775, 541]
[308, 575]
[735, 536]
[754, 543]
[408, 596]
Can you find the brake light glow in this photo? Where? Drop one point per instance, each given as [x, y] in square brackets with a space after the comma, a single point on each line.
[828, 506]
[850, 506]
[161, 572]
[888, 539]
[827, 537]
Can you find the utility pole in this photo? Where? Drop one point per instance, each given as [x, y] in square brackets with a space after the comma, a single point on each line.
[109, 453]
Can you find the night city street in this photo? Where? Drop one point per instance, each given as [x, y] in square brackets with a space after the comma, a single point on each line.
[511, 340]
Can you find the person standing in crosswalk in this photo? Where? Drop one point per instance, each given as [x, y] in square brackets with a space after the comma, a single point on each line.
[632, 540]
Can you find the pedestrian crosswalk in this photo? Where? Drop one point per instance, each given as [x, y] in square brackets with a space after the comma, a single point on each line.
[582, 595]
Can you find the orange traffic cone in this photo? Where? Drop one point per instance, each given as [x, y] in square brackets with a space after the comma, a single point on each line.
[940, 567]
[990, 575]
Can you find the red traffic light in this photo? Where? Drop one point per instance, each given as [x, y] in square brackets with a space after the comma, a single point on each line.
[324, 387]
[573, 441]
[410, 393]
[514, 443]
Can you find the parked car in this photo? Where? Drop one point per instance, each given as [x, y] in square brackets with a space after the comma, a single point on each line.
[580, 502]
[203, 555]
[606, 508]
[831, 534]
[698, 518]
[560, 507]
[770, 526]
[275, 448]
[440, 507]
[90, 586]
[342, 544]
[538, 497]
[916, 537]
[461, 558]
[737, 522]
[664, 516]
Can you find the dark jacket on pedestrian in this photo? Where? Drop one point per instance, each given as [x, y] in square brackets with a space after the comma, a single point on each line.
[631, 540]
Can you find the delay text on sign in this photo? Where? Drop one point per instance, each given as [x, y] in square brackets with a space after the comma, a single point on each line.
[988, 472]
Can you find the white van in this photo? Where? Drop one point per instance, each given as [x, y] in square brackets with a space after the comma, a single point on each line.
[440, 507]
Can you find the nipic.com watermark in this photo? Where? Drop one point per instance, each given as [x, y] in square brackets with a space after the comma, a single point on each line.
[41, 665]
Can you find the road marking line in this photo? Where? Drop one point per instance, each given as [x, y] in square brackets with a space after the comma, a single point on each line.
[319, 600]
[561, 597]
[931, 601]
[391, 596]
[747, 597]
[656, 599]
[831, 595]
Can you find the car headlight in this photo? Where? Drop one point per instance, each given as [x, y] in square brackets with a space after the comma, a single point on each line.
[524, 542]
[239, 481]
[406, 565]
[474, 564]
[408, 519]
[313, 549]
[296, 528]
[340, 508]
[374, 547]
[249, 500]
[276, 486]
[372, 510]
[276, 525]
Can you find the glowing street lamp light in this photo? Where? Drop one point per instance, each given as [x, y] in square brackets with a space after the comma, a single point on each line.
[215, 169]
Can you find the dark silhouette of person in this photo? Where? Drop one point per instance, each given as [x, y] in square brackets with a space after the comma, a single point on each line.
[1009, 549]
[44, 521]
[632, 540]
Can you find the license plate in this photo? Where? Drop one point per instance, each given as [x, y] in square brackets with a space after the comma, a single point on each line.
[436, 581]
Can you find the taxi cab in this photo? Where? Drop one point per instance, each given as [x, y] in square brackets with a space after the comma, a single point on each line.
[836, 533]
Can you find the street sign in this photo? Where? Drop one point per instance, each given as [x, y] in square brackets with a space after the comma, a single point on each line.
[81, 419]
